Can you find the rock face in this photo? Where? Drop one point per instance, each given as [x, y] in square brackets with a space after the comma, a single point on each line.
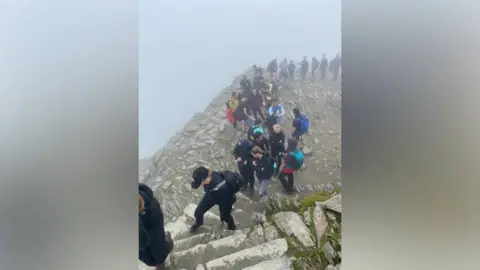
[279, 232]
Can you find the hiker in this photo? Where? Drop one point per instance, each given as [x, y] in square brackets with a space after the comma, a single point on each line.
[260, 141]
[154, 243]
[264, 166]
[270, 123]
[284, 72]
[315, 65]
[291, 70]
[277, 110]
[300, 124]
[256, 127]
[291, 162]
[241, 115]
[255, 103]
[304, 67]
[257, 71]
[272, 68]
[243, 158]
[277, 145]
[323, 66]
[273, 87]
[220, 189]
[246, 85]
[336, 66]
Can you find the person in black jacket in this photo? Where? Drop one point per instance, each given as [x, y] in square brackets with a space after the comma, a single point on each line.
[304, 67]
[277, 145]
[243, 158]
[260, 141]
[154, 243]
[255, 103]
[246, 85]
[217, 192]
[264, 166]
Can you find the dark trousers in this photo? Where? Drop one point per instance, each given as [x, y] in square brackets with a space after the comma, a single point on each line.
[248, 174]
[303, 73]
[287, 181]
[257, 113]
[335, 74]
[223, 198]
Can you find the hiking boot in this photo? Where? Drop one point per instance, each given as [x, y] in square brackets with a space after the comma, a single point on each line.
[194, 227]
[232, 226]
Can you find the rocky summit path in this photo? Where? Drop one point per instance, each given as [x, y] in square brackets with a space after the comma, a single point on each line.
[208, 139]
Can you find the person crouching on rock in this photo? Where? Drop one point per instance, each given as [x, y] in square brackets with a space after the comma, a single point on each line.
[264, 166]
[277, 145]
[243, 158]
[291, 162]
[220, 189]
[154, 243]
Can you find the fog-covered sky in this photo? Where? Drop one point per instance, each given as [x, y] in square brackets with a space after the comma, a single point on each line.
[190, 50]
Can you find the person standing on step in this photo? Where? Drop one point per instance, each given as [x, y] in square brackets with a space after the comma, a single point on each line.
[243, 158]
[304, 68]
[255, 103]
[277, 111]
[277, 145]
[300, 124]
[264, 166]
[220, 189]
[291, 71]
[260, 141]
[154, 243]
[291, 162]
[256, 127]
[323, 66]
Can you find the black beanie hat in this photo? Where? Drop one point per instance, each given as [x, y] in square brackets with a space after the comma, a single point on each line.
[198, 175]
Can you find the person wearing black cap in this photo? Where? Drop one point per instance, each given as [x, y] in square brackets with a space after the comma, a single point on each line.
[154, 243]
[243, 158]
[260, 141]
[220, 189]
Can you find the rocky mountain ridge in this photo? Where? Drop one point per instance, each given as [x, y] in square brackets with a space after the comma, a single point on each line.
[208, 139]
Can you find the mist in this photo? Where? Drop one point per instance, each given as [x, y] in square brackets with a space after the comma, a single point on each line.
[190, 50]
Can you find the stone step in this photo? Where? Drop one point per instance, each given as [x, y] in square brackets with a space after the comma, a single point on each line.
[200, 253]
[250, 256]
[283, 263]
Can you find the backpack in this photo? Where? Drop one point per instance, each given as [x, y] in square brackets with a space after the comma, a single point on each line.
[234, 180]
[305, 124]
[297, 158]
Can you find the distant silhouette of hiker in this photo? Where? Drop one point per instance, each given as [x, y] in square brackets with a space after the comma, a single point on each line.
[315, 65]
[337, 61]
[246, 85]
[291, 71]
[284, 72]
[304, 67]
[323, 66]
[272, 68]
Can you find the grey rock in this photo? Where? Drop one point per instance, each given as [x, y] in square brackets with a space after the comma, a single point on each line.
[258, 218]
[329, 252]
[271, 232]
[307, 151]
[292, 224]
[320, 222]
[334, 203]
[283, 263]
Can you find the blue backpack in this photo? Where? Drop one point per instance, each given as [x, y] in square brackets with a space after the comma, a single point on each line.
[305, 124]
[298, 159]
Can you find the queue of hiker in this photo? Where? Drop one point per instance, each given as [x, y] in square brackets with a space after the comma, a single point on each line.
[265, 153]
